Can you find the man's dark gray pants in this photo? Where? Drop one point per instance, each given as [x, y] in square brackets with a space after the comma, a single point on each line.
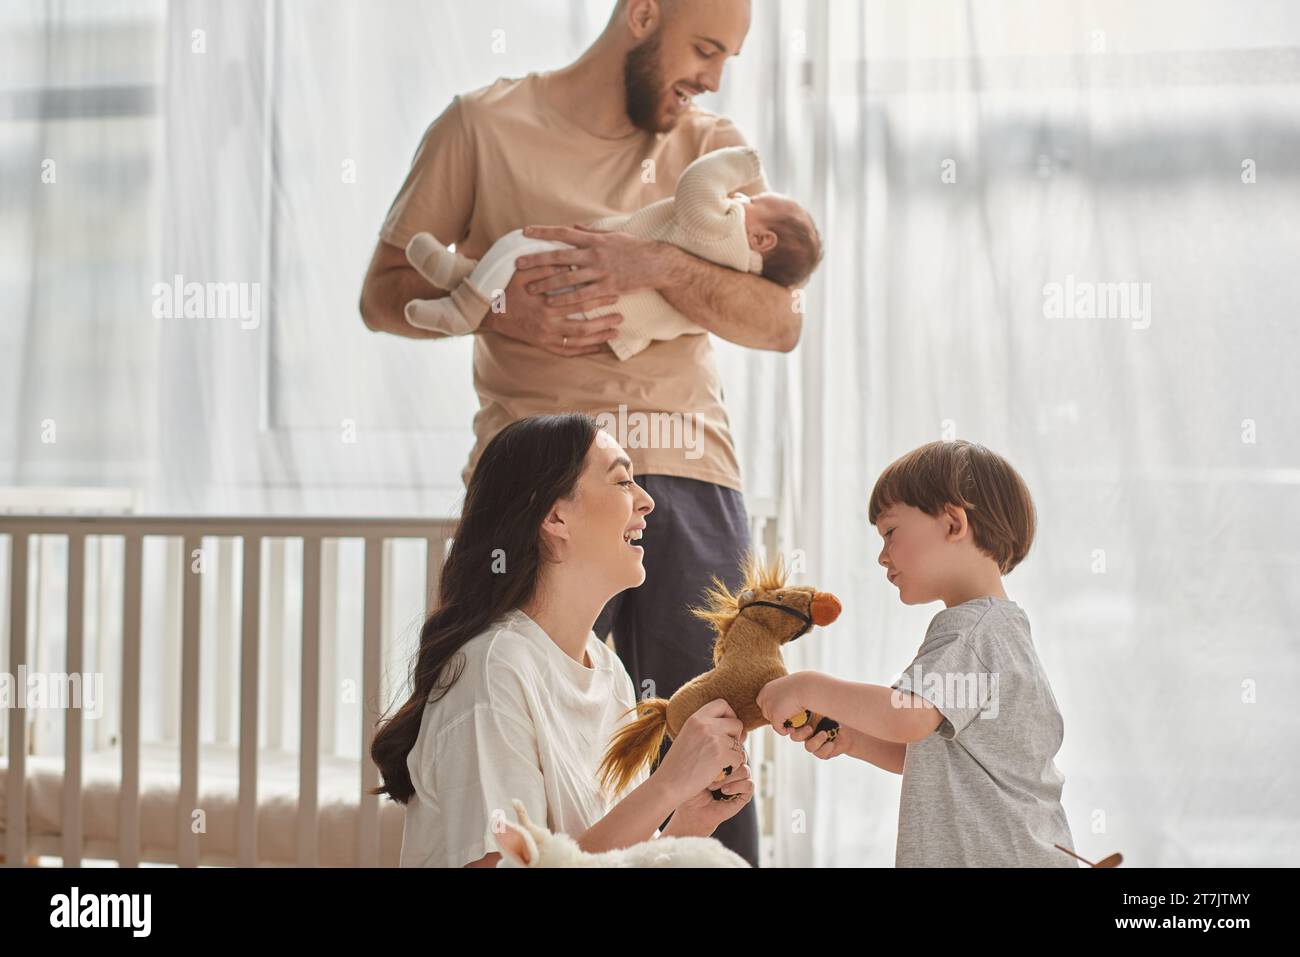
[697, 530]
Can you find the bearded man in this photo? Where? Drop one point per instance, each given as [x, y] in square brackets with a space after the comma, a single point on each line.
[604, 136]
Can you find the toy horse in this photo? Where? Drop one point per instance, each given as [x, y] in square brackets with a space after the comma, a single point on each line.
[750, 627]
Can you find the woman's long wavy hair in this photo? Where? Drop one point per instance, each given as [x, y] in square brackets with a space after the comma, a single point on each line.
[526, 468]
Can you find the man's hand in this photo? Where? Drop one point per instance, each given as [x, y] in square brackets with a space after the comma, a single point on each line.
[610, 263]
[534, 319]
[740, 307]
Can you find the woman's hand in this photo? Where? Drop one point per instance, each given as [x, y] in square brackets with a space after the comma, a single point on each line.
[710, 740]
[701, 814]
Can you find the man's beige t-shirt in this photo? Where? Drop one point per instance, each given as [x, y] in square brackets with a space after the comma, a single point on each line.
[499, 158]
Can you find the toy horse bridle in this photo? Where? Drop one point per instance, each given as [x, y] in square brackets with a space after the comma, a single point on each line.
[805, 618]
[826, 724]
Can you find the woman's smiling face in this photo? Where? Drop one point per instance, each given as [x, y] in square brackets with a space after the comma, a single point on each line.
[608, 514]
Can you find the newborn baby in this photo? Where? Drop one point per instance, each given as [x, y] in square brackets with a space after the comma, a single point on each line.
[768, 234]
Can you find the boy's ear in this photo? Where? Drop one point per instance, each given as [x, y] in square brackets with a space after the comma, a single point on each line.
[956, 521]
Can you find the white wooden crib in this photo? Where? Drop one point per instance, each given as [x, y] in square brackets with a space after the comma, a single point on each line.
[228, 785]
[242, 793]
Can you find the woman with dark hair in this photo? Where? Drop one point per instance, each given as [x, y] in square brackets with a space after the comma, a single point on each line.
[514, 696]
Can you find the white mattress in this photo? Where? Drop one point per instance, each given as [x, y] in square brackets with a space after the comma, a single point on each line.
[277, 820]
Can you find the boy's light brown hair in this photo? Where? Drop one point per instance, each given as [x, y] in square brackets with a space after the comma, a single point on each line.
[995, 497]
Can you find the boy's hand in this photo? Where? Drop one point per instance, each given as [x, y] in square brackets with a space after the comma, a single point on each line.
[820, 744]
[784, 698]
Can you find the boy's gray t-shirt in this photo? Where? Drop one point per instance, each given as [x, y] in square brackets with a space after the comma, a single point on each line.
[983, 790]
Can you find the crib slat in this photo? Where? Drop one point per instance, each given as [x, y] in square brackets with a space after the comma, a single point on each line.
[176, 566]
[16, 777]
[368, 825]
[225, 666]
[187, 842]
[387, 609]
[433, 571]
[128, 827]
[109, 716]
[74, 716]
[309, 739]
[248, 675]
[275, 644]
[329, 631]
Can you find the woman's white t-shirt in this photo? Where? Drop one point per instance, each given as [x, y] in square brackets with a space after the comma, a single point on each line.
[523, 720]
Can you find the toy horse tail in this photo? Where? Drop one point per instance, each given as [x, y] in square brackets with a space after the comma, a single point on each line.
[634, 745]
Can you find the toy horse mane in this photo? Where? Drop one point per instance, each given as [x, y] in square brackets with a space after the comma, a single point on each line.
[722, 605]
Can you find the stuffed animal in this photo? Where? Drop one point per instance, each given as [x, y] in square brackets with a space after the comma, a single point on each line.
[531, 845]
[750, 627]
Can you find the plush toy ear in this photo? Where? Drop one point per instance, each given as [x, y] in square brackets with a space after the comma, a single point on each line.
[517, 844]
[538, 832]
[745, 597]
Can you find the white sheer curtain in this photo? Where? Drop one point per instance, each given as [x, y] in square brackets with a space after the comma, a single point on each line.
[1111, 143]
[80, 135]
[960, 158]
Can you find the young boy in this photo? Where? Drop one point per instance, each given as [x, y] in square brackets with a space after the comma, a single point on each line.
[955, 518]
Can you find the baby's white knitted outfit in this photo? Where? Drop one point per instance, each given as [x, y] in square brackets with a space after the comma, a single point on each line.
[700, 218]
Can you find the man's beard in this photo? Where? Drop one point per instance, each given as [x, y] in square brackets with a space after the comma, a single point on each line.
[643, 84]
